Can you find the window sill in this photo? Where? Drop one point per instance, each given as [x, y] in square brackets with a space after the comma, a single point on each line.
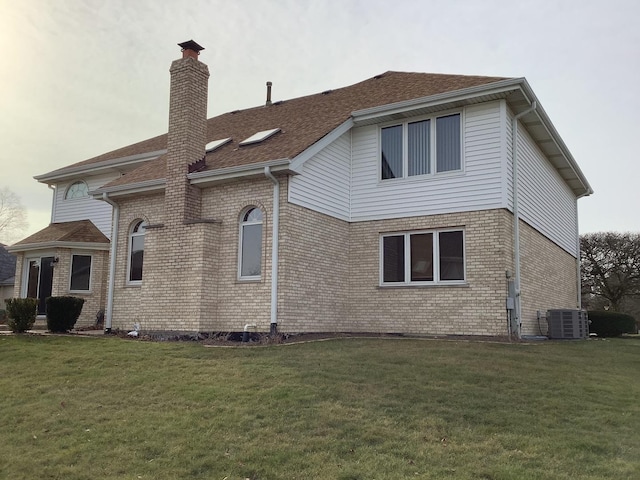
[435, 285]
[426, 177]
[133, 285]
[248, 280]
[80, 292]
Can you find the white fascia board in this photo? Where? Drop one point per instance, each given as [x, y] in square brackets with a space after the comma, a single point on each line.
[438, 99]
[93, 168]
[140, 187]
[221, 174]
[557, 140]
[52, 245]
[300, 159]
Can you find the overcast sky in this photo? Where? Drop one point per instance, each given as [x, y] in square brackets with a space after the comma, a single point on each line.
[83, 77]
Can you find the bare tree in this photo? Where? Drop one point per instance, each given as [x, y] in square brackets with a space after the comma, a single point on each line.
[610, 265]
[13, 217]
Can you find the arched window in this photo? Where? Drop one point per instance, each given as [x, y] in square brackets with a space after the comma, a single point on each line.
[136, 251]
[77, 189]
[250, 255]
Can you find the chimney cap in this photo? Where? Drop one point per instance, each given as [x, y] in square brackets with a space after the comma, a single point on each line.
[190, 45]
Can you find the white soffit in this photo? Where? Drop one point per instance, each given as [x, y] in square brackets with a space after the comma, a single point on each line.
[211, 146]
[259, 137]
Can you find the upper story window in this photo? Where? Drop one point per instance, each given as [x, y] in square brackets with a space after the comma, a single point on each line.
[429, 257]
[421, 147]
[77, 189]
[136, 251]
[250, 254]
[80, 273]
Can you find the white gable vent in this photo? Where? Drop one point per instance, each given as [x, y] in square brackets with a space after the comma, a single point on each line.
[259, 137]
[211, 146]
[567, 324]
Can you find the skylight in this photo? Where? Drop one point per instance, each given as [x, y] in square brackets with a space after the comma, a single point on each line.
[259, 137]
[211, 146]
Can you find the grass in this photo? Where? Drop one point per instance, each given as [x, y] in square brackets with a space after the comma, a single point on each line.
[106, 408]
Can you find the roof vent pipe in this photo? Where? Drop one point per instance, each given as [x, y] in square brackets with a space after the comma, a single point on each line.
[268, 102]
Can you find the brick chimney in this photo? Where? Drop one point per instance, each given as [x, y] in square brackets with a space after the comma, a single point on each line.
[187, 132]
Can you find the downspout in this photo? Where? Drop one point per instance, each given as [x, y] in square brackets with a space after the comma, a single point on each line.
[274, 250]
[579, 267]
[112, 261]
[516, 215]
[53, 202]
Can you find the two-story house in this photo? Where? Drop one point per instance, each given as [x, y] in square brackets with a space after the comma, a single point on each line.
[409, 202]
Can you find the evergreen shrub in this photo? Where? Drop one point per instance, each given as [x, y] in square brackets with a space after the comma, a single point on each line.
[611, 324]
[22, 313]
[63, 313]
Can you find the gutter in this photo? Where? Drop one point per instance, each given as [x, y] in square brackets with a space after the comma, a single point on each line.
[56, 244]
[73, 171]
[238, 171]
[274, 250]
[516, 215]
[112, 261]
[138, 187]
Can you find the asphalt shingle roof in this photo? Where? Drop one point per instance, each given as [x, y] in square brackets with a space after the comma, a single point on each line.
[77, 231]
[7, 264]
[303, 121]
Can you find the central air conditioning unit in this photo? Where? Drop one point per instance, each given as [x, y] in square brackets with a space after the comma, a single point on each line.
[567, 324]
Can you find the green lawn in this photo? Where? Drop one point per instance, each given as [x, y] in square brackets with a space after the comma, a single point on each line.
[98, 408]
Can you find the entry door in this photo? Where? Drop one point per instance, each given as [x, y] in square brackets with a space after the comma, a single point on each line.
[40, 281]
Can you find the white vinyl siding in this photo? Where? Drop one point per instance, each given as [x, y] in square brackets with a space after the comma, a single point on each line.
[324, 183]
[545, 200]
[343, 180]
[476, 187]
[84, 208]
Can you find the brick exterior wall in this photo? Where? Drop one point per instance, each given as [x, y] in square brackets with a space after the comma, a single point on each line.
[476, 308]
[234, 303]
[314, 271]
[329, 272]
[95, 299]
[549, 279]
[190, 271]
[127, 299]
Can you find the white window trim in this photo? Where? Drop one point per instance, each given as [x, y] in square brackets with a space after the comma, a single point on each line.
[130, 235]
[66, 191]
[249, 278]
[25, 269]
[89, 290]
[432, 147]
[436, 258]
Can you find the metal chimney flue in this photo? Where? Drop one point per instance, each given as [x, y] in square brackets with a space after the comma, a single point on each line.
[268, 102]
[190, 49]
